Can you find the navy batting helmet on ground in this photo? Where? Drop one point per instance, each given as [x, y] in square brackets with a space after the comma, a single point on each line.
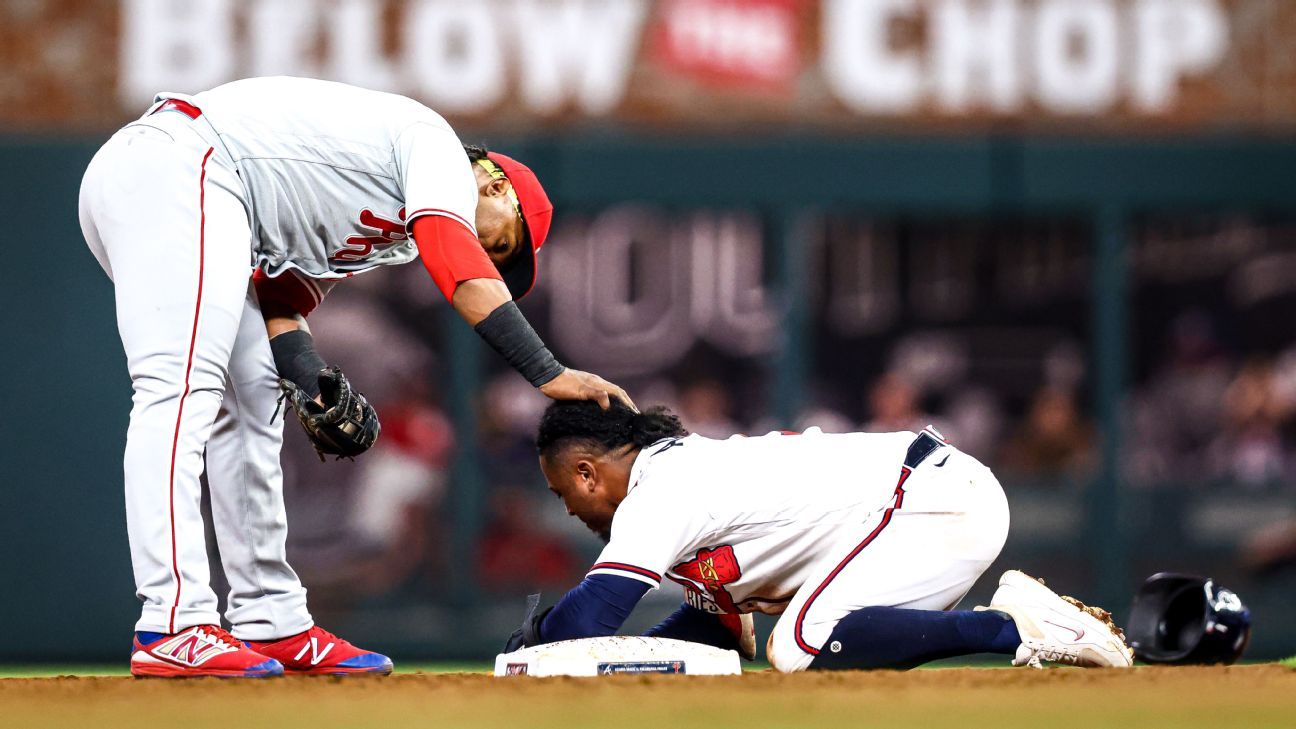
[1187, 619]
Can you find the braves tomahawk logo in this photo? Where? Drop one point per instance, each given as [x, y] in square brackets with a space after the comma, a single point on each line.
[710, 570]
[192, 648]
[389, 233]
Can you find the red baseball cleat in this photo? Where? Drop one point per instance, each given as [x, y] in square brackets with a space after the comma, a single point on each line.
[203, 650]
[319, 652]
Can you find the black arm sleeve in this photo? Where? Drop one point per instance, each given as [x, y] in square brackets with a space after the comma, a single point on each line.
[297, 361]
[509, 333]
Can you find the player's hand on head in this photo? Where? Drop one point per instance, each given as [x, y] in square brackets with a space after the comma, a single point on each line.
[576, 385]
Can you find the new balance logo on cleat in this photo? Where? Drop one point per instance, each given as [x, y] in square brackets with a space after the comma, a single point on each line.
[203, 650]
[317, 651]
[316, 654]
[192, 648]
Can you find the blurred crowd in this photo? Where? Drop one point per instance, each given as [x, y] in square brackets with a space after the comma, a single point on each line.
[1202, 417]
[1202, 412]
[1211, 415]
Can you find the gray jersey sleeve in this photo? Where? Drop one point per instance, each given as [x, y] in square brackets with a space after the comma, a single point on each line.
[436, 175]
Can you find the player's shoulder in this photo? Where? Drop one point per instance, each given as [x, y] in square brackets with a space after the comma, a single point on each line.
[297, 92]
[660, 482]
[670, 469]
[669, 452]
[658, 462]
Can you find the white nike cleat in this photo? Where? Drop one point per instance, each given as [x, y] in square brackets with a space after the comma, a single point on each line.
[1058, 628]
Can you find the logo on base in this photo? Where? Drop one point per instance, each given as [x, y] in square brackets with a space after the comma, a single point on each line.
[606, 669]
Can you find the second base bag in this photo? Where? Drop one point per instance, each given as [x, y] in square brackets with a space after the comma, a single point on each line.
[618, 654]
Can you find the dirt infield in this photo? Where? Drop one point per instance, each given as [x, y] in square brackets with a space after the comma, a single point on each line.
[1244, 696]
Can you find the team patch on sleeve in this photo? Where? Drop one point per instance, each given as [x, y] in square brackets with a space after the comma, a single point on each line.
[711, 570]
[626, 570]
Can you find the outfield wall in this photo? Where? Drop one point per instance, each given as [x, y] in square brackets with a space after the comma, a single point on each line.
[65, 569]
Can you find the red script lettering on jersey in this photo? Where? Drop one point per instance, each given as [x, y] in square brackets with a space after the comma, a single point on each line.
[359, 247]
[713, 569]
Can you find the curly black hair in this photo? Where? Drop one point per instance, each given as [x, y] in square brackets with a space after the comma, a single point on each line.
[476, 151]
[583, 421]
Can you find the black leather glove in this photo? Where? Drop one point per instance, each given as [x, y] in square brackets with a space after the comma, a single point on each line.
[345, 427]
[529, 634]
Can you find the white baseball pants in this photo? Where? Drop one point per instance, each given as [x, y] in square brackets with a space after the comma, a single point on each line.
[162, 212]
[946, 524]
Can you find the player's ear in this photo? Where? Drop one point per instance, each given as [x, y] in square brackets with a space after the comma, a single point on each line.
[586, 474]
[497, 186]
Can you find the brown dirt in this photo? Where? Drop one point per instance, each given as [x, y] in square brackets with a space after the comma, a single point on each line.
[1240, 696]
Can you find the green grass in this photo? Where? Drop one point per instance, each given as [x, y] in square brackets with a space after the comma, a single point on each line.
[74, 669]
[122, 669]
[115, 669]
[444, 667]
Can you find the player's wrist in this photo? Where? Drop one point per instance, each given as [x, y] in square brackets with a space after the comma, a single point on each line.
[561, 371]
[297, 361]
[510, 334]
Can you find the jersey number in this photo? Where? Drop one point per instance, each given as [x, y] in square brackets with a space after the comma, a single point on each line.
[360, 247]
[712, 569]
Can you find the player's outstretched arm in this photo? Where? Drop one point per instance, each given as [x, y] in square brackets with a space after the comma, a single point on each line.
[596, 607]
[467, 278]
[508, 332]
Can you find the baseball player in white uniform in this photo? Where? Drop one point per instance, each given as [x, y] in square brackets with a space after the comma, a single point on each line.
[864, 543]
[222, 219]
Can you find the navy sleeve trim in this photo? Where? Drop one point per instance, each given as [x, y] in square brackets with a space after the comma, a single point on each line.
[627, 568]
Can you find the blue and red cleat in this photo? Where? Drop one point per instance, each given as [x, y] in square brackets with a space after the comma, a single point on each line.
[203, 650]
[319, 652]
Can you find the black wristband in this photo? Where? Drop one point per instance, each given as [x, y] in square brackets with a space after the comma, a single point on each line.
[509, 333]
[296, 360]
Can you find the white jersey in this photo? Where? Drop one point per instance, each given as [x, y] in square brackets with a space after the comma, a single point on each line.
[333, 175]
[741, 522]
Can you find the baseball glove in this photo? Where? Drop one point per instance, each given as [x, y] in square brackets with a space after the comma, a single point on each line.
[346, 426]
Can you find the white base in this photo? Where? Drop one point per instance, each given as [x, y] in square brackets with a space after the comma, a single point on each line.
[618, 654]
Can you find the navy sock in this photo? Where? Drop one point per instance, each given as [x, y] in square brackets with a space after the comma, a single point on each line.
[885, 637]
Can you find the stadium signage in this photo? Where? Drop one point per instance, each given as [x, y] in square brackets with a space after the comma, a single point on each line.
[691, 63]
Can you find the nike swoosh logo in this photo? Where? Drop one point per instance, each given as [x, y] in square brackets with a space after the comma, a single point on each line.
[942, 463]
[1078, 633]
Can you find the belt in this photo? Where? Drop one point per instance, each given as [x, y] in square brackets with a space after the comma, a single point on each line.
[181, 106]
[924, 445]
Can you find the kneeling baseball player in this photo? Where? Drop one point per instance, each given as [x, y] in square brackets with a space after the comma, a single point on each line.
[863, 542]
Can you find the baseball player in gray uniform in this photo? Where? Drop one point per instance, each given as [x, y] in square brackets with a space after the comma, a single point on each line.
[223, 219]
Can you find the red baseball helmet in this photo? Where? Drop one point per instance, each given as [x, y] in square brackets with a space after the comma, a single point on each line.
[537, 214]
